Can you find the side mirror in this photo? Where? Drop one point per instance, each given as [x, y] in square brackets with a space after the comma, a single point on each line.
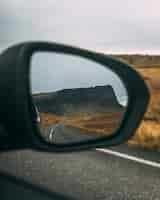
[62, 98]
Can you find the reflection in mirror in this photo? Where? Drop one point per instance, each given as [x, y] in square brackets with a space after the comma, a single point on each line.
[75, 99]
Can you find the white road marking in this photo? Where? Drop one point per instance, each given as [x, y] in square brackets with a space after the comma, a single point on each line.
[128, 157]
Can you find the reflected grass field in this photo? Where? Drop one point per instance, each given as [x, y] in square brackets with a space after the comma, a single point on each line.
[99, 124]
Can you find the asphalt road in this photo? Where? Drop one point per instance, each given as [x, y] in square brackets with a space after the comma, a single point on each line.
[61, 134]
[87, 175]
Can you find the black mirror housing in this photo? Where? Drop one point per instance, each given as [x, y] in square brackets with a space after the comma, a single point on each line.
[18, 112]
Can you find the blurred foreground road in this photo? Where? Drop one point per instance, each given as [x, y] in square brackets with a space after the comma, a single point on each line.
[88, 175]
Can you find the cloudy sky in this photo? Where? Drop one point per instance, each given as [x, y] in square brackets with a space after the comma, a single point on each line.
[106, 25]
[52, 72]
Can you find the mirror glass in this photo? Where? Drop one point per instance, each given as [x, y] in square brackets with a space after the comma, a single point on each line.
[75, 99]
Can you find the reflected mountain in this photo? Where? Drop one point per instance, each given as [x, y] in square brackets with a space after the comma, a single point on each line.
[88, 100]
[78, 114]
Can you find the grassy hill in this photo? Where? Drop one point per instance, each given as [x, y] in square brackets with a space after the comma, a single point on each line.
[140, 60]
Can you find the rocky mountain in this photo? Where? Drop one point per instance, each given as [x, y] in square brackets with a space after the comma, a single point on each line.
[93, 99]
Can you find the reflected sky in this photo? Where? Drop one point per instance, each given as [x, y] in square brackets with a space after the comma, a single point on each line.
[52, 72]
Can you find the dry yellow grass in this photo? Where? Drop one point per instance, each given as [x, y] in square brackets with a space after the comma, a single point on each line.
[48, 119]
[96, 123]
[147, 136]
